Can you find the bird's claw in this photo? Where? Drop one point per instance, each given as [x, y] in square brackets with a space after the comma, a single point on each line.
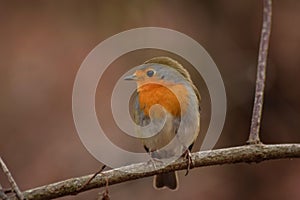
[153, 161]
[188, 156]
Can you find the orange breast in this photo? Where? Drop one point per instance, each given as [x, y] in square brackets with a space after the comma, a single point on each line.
[151, 94]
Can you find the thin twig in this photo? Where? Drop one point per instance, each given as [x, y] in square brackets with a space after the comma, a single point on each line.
[12, 182]
[88, 181]
[246, 154]
[104, 195]
[7, 190]
[2, 194]
[261, 73]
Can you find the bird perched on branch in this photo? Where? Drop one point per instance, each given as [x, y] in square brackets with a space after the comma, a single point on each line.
[165, 82]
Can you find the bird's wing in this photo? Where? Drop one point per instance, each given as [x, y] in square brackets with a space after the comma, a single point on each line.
[138, 115]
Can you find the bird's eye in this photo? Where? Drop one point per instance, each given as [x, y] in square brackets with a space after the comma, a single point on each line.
[150, 73]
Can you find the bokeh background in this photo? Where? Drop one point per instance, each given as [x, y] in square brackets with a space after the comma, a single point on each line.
[43, 43]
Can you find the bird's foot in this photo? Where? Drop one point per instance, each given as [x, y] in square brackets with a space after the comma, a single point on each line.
[154, 162]
[188, 156]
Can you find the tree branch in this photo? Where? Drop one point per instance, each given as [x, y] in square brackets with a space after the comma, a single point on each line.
[261, 73]
[11, 181]
[241, 154]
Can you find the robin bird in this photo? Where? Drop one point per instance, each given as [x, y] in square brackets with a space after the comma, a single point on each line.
[164, 81]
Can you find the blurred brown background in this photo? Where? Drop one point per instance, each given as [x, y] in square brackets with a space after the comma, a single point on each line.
[43, 44]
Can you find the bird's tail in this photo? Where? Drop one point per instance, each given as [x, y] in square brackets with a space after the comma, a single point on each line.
[168, 180]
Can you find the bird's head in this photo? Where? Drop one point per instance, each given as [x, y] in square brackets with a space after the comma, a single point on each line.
[159, 69]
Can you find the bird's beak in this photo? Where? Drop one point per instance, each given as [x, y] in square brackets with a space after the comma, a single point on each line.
[130, 77]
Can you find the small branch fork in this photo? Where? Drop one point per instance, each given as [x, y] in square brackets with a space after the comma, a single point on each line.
[2, 194]
[261, 73]
[11, 181]
[89, 180]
